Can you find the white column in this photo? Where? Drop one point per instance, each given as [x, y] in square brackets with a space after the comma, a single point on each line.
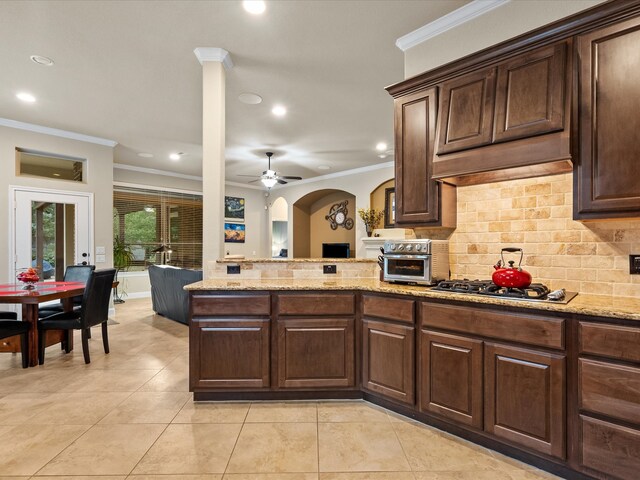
[214, 62]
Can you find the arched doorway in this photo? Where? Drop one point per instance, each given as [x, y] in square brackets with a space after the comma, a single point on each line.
[279, 228]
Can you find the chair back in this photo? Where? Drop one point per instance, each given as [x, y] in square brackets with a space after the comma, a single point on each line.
[78, 273]
[95, 301]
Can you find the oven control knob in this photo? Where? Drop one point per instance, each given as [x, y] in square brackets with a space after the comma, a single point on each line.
[409, 248]
[392, 246]
[418, 247]
[400, 247]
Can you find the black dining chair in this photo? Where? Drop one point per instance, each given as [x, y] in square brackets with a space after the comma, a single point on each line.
[73, 273]
[93, 311]
[10, 326]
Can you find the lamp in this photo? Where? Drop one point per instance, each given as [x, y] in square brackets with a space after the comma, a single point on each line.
[269, 181]
[163, 250]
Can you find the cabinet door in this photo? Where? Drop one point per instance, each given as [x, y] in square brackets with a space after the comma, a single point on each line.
[451, 377]
[417, 196]
[388, 360]
[229, 354]
[608, 170]
[530, 94]
[316, 353]
[466, 111]
[525, 397]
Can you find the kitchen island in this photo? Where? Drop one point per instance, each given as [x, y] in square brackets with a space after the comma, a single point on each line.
[554, 385]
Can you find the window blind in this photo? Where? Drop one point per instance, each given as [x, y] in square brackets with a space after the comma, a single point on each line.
[147, 220]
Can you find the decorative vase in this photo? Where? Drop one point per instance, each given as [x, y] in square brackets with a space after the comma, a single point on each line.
[369, 231]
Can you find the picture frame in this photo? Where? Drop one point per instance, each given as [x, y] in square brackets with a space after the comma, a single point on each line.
[389, 207]
[234, 209]
[234, 232]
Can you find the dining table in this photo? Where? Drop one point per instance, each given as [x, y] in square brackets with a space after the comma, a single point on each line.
[30, 299]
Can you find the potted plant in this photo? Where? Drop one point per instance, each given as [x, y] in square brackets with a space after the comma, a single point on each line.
[122, 259]
[371, 217]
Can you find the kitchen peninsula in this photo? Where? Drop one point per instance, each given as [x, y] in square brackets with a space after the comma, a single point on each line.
[553, 385]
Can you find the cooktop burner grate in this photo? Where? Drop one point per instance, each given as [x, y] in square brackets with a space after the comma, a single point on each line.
[534, 292]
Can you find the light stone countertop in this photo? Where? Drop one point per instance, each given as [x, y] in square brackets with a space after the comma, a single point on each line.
[297, 260]
[584, 304]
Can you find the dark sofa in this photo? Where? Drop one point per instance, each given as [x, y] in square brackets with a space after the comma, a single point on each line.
[168, 297]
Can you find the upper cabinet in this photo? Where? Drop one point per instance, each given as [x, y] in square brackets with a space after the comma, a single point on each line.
[419, 199]
[607, 176]
[512, 115]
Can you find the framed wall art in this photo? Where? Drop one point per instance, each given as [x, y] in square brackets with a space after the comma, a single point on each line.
[234, 209]
[389, 207]
[234, 233]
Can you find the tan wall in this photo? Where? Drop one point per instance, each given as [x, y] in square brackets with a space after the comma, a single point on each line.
[378, 198]
[536, 215]
[503, 23]
[256, 219]
[301, 232]
[320, 229]
[99, 180]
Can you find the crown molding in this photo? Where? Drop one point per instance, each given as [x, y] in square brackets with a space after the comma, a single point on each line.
[154, 171]
[213, 54]
[30, 127]
[344, 173]
[244, 185]
[447, 22]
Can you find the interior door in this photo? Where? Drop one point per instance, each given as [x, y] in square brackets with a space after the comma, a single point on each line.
[51, 225]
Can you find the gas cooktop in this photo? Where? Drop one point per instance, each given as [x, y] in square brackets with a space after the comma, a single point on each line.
[536, 292]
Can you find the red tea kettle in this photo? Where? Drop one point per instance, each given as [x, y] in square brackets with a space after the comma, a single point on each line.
[510, 277]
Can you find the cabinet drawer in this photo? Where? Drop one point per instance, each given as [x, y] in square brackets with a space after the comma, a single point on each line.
[609, 448]
[317, 304]
[610, 389]
[397, 309]
[612, 341]
[514, 327]
[230, 305]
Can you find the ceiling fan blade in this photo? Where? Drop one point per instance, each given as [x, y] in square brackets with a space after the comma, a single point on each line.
[289, 177]
[256, 180]
[281, 182]
[254, 176]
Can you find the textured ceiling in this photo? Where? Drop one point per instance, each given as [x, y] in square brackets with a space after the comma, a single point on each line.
[126, 71]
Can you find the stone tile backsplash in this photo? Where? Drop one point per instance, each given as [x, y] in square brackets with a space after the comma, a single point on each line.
[536, 215]
[289, 270]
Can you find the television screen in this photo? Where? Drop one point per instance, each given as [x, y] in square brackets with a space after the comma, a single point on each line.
[335, 250]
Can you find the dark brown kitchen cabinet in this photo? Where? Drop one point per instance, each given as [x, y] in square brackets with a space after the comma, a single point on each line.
[388, 360]
[419, 199]
[525, 397]
[606, 178]
[530, 93]
[451, 377]
[466, 111]
[316, 352]
[229, 354]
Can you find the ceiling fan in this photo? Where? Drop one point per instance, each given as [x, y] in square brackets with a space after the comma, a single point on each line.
[269, 177]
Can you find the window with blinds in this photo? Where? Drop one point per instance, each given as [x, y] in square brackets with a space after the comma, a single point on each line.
[159, 227]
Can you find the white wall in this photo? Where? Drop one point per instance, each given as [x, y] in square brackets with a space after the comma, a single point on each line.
[505, 22]
[256, 219]
[360, 184]
[99, 180]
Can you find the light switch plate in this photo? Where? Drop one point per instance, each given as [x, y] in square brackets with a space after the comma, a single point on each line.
[101, 251]
[101, 258]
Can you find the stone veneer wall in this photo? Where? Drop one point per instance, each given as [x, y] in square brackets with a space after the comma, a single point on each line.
[289, 270]
[536, 215]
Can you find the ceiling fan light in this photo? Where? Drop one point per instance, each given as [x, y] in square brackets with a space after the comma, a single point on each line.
[269, 182]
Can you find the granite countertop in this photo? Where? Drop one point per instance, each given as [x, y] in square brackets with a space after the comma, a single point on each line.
[584, 304]
[297, 260]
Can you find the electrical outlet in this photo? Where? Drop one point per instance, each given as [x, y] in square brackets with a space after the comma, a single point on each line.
[634, 264]
[233, 269]
[328, 269]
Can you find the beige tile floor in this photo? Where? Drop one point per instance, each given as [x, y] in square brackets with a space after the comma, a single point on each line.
[129, 414]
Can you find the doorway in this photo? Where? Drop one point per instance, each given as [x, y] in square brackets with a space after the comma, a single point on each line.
[51, 230]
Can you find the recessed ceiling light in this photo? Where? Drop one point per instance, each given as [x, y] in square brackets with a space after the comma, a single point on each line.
[324, 167]
[26, 97]
[176, 156]
[255, 7]
[250, 98]
[381, 147]
[40, 60]
[56, 174]
[279, 111]
[146, 155]
[383, 155]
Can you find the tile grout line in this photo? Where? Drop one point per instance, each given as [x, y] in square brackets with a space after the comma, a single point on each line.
[235, 444]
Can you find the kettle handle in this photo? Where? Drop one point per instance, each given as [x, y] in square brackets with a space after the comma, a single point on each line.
[512, 250]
